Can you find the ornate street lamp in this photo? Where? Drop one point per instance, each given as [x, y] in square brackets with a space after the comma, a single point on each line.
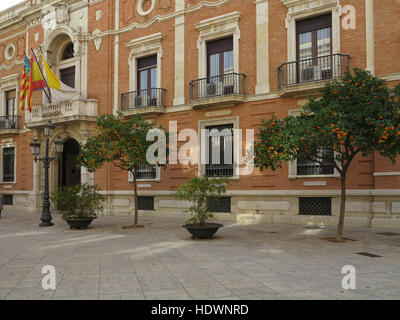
[35, 147]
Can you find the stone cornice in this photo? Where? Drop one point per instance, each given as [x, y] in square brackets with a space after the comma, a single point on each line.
[147, 40]
[224, 19]
[30, 16]
[25, 15]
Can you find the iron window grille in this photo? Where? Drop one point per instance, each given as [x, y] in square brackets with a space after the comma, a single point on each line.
[220, 151]
[8, 199]
[308, 167]
[146, 203]
[146, 172]
[219, 204]
[315, 206]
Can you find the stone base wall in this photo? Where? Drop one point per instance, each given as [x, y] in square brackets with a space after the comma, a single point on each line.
[361, 210]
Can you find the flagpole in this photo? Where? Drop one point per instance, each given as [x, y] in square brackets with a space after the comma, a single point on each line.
[48, 97]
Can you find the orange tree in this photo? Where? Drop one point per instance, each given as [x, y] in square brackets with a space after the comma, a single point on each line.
[357, 114]
[123, 142]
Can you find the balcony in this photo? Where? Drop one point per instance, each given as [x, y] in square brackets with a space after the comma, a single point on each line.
[9, 124]
[62, 112]
[148, 102]
[310, 75]
[226, 89]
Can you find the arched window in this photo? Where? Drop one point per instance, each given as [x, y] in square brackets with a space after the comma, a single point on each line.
[67, 75]
[68, 52]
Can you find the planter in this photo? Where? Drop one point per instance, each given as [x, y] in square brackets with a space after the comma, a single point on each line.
[79, 223]
[205, 231]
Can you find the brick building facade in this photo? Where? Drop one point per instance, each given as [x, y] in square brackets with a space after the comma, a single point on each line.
[203, 64]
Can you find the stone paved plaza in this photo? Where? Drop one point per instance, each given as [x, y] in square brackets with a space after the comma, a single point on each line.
[257, 261]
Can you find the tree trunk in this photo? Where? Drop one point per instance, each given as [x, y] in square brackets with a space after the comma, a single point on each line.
[339, 235]
[136, 218]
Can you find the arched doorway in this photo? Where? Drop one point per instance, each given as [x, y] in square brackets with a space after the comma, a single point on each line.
[69, 174]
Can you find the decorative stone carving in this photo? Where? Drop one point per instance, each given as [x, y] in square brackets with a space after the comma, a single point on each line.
[97, 39]
[62, 13]
[55, 15]
[139, 7]
[49, 18]
[9, 51]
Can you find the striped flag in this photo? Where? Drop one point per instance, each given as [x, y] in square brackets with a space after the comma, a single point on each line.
[24, 83]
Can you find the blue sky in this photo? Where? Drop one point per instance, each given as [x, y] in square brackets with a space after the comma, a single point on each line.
[9, 3]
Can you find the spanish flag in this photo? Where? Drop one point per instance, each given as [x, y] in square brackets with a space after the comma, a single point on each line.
[36, 80]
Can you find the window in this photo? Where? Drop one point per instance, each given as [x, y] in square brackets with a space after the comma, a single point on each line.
[220, 150]
[315, 206]
[68, 52]
[220, 57]
[8, 164]
[219, 204]
[67, 76]
[8, 199]
[146, 203]
[10, 103]
[314, 48]
[308, 167]
[220, 69]
[146, 172]
[147, 81]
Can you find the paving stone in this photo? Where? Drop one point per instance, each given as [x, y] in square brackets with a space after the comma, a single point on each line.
[162, 262]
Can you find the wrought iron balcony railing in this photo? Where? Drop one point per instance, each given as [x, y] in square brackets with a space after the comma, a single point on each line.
[9, 122]
[314, 69]
[154, 97]
[221, 170]
[222, 85]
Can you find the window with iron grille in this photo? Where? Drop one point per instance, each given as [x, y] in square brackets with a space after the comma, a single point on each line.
[146, 172]
[315, 206]
[309, 168]
[219, 204]
[8, 199]
[220, 151]
[145, 203]
[8, 164]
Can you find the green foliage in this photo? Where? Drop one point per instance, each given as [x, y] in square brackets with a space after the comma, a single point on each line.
[79, 202]
[119, 141]
[356, 114]
[196, 191]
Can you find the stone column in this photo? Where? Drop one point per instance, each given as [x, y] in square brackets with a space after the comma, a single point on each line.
[262, 40]
[370, 37]
[116, 57]
[179, 53]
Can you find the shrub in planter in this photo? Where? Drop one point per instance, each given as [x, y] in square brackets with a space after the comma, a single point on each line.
[79, 204]
[197, 191]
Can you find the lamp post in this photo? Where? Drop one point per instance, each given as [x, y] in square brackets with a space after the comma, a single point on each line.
[35, 147]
